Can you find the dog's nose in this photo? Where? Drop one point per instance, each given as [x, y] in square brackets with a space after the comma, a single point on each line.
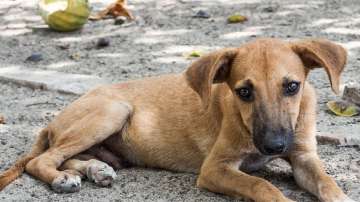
[274, 147]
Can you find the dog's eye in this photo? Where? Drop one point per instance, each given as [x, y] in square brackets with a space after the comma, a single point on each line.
[292, 88]
[245, 93]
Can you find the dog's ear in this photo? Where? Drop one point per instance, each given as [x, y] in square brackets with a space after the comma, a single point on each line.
[322, 53]
[212, 68]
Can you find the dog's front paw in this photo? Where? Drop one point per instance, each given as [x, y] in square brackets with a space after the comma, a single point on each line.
[66, 183]
[101, 173]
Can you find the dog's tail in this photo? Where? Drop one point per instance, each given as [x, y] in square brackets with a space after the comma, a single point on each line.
[40, 145]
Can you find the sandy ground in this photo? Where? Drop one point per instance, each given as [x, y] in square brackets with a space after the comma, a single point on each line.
[152, 45]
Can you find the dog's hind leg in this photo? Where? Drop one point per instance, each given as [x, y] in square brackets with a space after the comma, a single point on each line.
[93, 128]
[97, 164]
[97, 171]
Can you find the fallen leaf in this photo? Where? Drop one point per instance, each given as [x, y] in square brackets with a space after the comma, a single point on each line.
[2, 119]
[343, 108]
[236, 18]
[192, 54]
[114, 9]
[195, 54]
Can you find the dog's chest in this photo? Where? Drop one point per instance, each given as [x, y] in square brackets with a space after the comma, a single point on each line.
[254, 161]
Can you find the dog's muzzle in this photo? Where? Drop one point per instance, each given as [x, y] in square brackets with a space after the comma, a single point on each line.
[273, 142]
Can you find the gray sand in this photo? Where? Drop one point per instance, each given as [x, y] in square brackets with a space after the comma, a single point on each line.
[152, 45]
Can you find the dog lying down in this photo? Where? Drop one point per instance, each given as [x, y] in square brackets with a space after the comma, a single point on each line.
[226, 115]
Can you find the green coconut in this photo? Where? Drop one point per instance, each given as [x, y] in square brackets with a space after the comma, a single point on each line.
[64, 15]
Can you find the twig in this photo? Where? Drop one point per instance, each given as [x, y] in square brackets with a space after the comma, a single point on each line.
[2, 119]
[40, 103]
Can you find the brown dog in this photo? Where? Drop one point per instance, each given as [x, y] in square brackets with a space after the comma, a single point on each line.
[228, 114]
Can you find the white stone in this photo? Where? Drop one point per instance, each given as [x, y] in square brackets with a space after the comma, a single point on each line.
[50, 80]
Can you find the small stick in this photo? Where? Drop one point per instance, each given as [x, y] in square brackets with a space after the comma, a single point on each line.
[2, 119]
[40, 103]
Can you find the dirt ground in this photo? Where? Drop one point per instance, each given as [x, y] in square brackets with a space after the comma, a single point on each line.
[152, 45]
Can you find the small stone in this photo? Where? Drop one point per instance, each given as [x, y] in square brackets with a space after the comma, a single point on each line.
[268, 9]
[120, 20]
[64, 46]
[352, 94]
[50, 80]
[102, 43]
[3, 142]
[35, 57]
[202, 14]
[75, 56]
[355, 166]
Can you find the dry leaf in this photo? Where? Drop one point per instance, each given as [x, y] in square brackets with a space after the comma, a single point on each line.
[115, 9]
[193, 54]
[236, 18]
[343, 108]
[2, 119]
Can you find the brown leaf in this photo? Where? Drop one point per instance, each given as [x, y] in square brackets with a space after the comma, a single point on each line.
[114, 9]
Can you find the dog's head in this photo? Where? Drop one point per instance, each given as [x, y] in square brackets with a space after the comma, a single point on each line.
[267, 80]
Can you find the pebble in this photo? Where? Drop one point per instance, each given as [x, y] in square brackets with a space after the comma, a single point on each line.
[268, 9]
[102, 43]
[35, 57]
[64, 46]
[120, 20]
[202, 14]
[75, 56]
[352, 94]
[355, 166]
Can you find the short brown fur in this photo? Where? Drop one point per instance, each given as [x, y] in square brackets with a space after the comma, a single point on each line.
[195, 122]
